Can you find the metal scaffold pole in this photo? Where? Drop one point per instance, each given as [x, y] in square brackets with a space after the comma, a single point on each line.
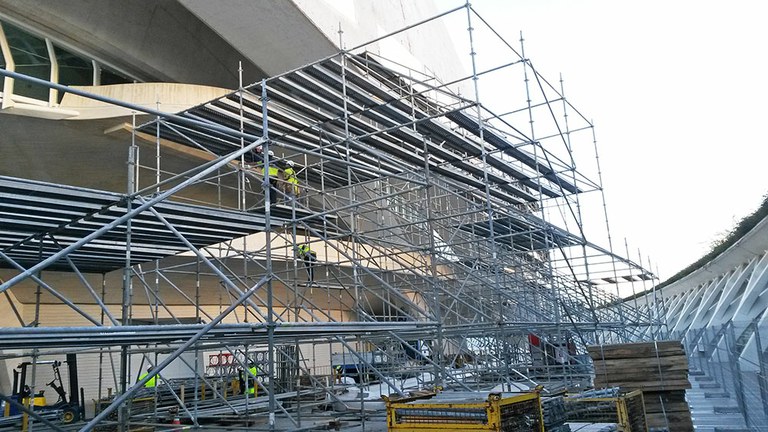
[268, 233]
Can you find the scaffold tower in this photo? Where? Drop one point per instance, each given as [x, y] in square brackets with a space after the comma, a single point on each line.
[456, 244]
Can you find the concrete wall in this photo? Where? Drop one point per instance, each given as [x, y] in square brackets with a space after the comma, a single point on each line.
[7, 315]
[316, 358]
[165, 97]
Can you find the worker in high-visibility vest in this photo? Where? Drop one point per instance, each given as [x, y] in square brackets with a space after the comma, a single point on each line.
[273, 170]
[152, 381]
[250, 380]
[310, 258]
[337, 373]
[293, 182]
[274, 174]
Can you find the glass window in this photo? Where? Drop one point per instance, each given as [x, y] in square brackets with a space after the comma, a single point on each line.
[31, 57]
[111, 77]
[73, 69]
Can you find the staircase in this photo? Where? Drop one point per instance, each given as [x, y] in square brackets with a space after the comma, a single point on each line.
[713, 409]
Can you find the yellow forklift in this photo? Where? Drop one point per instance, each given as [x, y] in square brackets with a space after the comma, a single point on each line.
[71, 408]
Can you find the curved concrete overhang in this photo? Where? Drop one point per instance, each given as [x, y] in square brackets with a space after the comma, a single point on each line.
[754, 243]
[274, 34]
[165, 97]
[280, 36]
[429, 48]
[729, 289]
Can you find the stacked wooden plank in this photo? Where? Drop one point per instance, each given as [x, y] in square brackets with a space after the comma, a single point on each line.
[659, 369]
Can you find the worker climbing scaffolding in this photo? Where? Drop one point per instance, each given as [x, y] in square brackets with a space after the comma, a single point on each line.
[310, 258]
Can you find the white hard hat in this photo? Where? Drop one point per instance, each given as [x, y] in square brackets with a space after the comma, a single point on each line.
[270, 153]
[290, 163]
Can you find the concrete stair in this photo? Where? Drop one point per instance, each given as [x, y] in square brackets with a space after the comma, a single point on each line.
[728, 409]
[712, 408]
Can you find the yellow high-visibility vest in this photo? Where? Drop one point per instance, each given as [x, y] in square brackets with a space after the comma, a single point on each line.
[290, 175]
[253, 371]
[151, 382]
[273, 169]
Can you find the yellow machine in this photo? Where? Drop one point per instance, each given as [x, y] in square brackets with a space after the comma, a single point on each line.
[38, 401]
[513, 412]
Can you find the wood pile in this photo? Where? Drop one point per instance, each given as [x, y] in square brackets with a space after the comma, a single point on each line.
[659, 369]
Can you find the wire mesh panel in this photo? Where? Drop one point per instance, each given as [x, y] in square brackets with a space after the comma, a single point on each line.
[592, 410]
[442, 415]
[452, 411]
[553, 411]
[627, 411]
[634, 411]
[520, 415]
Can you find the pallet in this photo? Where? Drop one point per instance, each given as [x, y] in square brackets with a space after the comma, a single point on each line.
[659, 369]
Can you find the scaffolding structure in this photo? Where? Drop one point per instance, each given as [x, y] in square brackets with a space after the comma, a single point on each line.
[453, 246]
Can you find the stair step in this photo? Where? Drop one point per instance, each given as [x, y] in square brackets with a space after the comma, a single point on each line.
[731, 429]
[709, 385]
[695, 373]
[703, 378]
[726, 410]
[716, 395]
